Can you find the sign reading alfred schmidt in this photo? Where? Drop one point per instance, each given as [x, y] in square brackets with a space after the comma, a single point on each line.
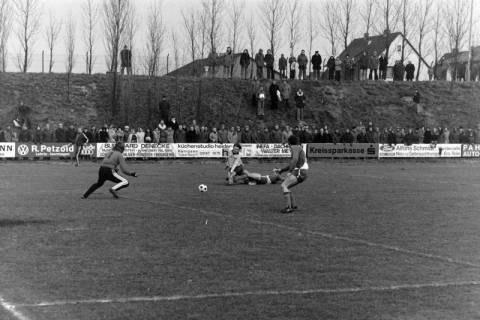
[342, 150]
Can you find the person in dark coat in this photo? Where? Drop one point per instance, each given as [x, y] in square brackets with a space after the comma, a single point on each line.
[126, 60]
[269, 62]
[316, 65]
[164, 109]
[331, 68]
[300, 104]
[391, 137]
[409, 71]
[274, 95]
[302, 61]
[382, 66]
[416, 97]
[427, 136]
[244, 63]
[260, 62]
[347, 137]
[282, 66]
[60, 134]
[363, 65]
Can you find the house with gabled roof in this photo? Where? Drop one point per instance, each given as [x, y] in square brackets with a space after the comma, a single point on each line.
[445, 68]
[378, 44]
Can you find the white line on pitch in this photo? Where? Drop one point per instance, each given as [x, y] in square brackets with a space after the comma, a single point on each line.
[318, 233]
[251, 293]
[12, 310]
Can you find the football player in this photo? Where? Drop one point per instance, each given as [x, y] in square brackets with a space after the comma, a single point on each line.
[109, 171]
[234, 164]
[297, 173]
[80, 140]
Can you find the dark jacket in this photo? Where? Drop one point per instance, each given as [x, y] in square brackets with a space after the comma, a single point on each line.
[260, 60]
[302, 60]
[273, 92]
[410, 70]
[382, 63]
[245, 59]
[282, 63]
[317, 61]
[269, 60]
[331, 63]
[126, 58]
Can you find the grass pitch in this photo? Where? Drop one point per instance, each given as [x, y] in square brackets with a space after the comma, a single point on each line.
[373, 240]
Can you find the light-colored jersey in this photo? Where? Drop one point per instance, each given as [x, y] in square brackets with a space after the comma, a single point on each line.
[233, 160]
[114, 159]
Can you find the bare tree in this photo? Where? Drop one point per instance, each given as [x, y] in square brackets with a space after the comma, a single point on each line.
[202, 32]
[130, 34]
[176, 49]
[90, 13]
[70, 38]
[190, 25]
[252, 39]
[116, 15]
[213, 12]
[236, 14]
[346, 20]
[329, 24]
[424, 26]
[155, 37]
[52, 31]
[369, 14]
[390, 11]
[28, 20]
[406, 18]
[312, 30]
[5, 28]
[456, 28]
[294, 18]
[273, 17]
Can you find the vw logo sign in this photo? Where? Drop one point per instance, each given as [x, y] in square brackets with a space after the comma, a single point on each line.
[22, 150]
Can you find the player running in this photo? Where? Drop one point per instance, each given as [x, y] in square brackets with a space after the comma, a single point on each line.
[297, 173]
[81, 139]
[234, 164]
[109, 171]
[253, 178]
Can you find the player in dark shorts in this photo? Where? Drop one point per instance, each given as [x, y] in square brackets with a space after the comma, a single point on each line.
[234, 164]
[81, 139]
[297, 173]
[109, 171]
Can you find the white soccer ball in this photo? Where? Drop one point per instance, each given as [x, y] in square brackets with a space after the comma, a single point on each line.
[202, 188]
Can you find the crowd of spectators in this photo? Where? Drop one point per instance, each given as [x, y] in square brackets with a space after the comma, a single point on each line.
[193, 132]
[367, 66]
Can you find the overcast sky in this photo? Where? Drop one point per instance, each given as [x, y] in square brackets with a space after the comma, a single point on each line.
[172, 15]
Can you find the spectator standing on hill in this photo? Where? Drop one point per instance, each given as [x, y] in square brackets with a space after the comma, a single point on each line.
[398, 71]
[348, 66]
[383, 64]
[164, 109]
[148, 136]
[373, 65]
[191, 135]
[363, 65]
[126, 60]
[286, 133]
[71, 134]
[173, 124]
[260, 62]
[48, 133]
[275, 95]
[409, 71]
[276, 134]
[37, 135]
[261, 102]
[269, 62]
[228, 63]
[60, 134]
[316, 65]
[293, 66]
[302, 65]
[300, 104]
[286, 91]
[180, 134]
[462, 136]
[247, 135]
[222, 134]
[239, 133]
[232, 136]
[347, 137]
[213, 136]
[170, 135]
[282, 66]
[331, 68]
[338, 69]
[244, 63]
[416, 97]
[212, 62]
[427, 136]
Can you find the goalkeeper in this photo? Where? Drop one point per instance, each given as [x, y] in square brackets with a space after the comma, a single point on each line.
[234, 165]
[109, 171]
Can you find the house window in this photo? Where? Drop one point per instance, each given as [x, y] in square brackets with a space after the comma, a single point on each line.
[399, 48]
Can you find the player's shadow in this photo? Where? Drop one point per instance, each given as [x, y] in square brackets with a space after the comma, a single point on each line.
[9, 223]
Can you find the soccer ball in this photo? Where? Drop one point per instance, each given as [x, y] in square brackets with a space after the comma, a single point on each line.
[202, 188]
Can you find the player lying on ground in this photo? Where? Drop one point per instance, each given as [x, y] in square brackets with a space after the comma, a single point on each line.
[297, 173]
[234, 164]
[109, 171]
[253, 178]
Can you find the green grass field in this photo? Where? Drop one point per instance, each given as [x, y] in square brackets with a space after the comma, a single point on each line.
[373, 240]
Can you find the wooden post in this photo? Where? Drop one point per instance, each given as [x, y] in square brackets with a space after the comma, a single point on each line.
[43, 61]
